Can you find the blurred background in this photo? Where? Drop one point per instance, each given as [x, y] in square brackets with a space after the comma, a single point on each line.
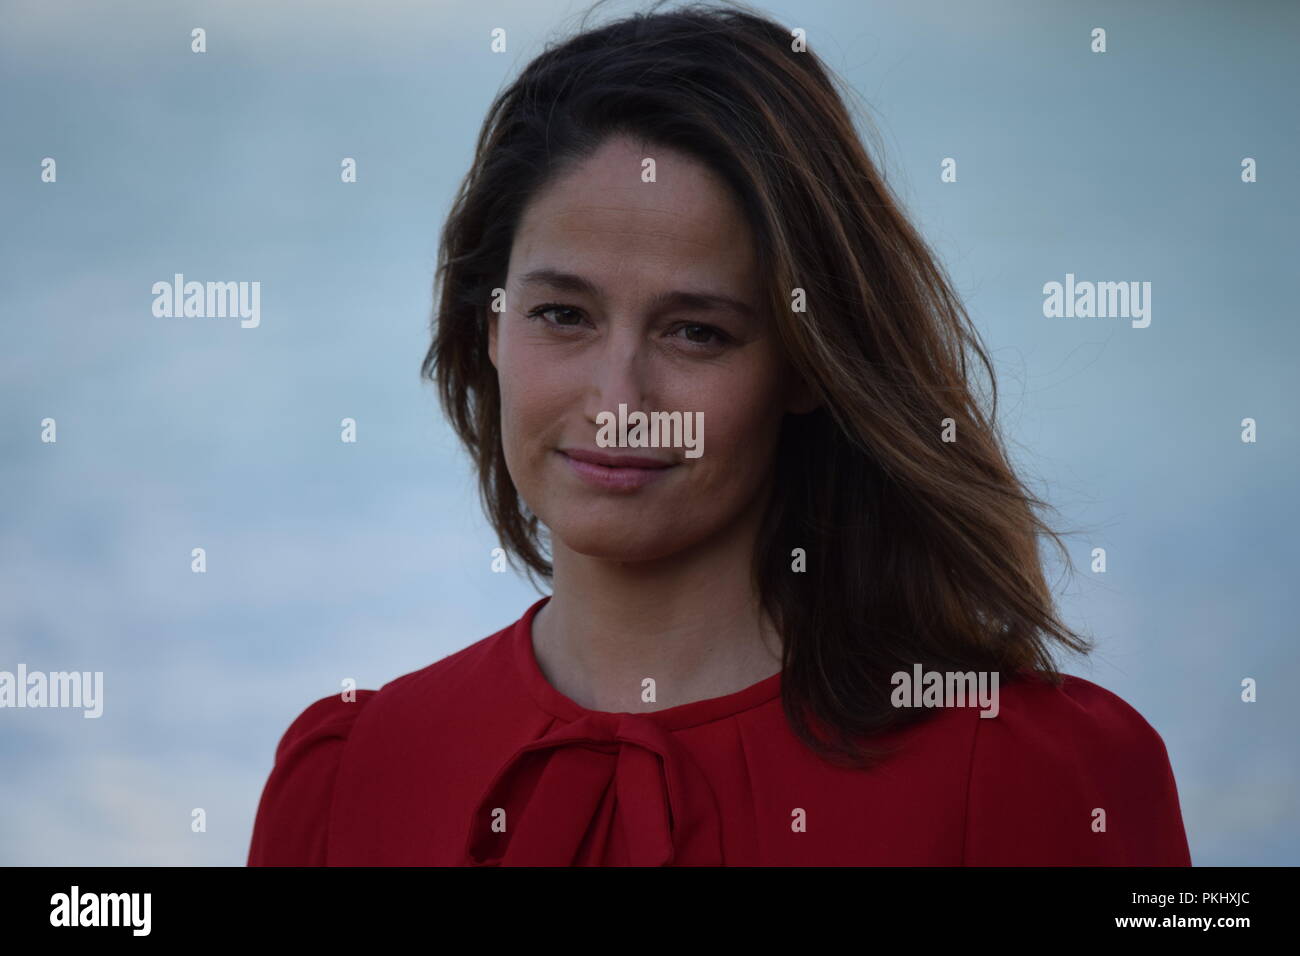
[328, 560]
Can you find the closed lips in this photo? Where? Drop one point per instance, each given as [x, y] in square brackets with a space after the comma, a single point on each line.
[615, 461]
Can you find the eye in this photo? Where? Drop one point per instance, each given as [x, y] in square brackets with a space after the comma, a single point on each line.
[541, 310]
[705, 335]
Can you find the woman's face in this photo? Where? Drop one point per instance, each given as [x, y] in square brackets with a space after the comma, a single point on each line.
[643, 294]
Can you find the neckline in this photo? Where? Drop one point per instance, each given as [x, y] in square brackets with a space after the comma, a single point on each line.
[670, 718]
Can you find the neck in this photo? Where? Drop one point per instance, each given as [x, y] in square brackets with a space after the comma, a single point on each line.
[693, 622]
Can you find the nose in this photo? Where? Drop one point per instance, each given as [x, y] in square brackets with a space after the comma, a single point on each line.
[620, 373]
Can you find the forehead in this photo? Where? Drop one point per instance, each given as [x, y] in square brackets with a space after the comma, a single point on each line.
[599, 218]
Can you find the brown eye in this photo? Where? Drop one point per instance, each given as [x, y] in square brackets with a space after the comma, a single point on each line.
[698, 334]
[542, 310]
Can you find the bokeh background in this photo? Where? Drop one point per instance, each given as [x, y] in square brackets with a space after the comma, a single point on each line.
[329, 560]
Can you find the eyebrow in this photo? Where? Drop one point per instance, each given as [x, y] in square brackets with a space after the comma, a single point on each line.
[678, 298]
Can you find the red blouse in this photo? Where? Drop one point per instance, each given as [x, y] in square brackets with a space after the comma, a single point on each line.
[477, 760]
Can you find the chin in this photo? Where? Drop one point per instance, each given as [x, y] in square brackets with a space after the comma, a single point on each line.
[629, 540]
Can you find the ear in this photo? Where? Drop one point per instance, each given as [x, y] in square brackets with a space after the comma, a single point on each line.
[492, 336]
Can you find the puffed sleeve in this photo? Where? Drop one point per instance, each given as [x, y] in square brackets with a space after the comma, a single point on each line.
[1070, 775]
[292, 822]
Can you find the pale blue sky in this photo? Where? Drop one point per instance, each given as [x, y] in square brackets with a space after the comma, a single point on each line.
[371, 560]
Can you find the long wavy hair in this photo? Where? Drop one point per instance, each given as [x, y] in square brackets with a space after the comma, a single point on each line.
[921, 543]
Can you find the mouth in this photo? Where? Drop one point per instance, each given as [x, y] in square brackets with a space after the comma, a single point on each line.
[609, 472]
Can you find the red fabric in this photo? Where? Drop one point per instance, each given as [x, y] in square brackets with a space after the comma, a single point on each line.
[415, 774]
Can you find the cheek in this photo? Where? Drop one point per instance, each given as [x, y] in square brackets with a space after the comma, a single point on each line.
[531, 388]
[739, 438]
[534, 408]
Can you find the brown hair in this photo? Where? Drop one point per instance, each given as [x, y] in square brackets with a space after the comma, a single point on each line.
[919, 550]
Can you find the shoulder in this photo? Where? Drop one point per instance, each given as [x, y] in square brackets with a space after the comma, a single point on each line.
[330, 718]
[459, 677]
[464, 673]
[1039, 719]
[292, 822]
[289, 828]
[1069, 773]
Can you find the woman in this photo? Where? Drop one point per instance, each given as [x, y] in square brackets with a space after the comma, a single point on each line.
[752, 644]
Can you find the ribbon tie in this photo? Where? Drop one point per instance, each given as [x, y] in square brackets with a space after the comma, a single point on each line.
[604, 789]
